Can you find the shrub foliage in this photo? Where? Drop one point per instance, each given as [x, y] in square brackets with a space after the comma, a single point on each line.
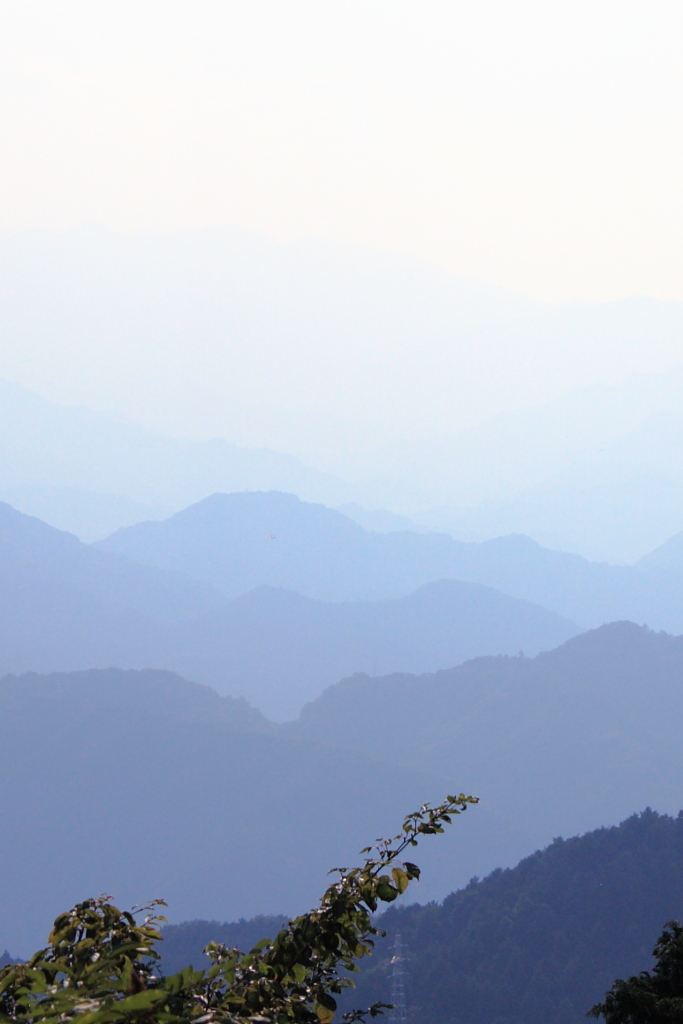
[101, 965]
[651, 997]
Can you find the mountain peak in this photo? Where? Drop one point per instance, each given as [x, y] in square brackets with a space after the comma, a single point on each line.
[668, 555]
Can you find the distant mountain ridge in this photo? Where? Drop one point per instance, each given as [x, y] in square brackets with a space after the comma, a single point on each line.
[202, 326]
[280, 650]
[117, 465]
[144, 785]
[150, 692]
[668, 555]
[40, 553]
[65, 605]
[236, 542]
[595, 471]
[561, 743]
[241, 818]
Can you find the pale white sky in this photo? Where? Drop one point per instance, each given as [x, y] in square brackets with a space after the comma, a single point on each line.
[537, 146]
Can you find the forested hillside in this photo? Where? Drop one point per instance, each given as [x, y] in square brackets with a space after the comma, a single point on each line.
[242, 817]
[576, 737]
[535, 944]
[145, 786]
[541, 943]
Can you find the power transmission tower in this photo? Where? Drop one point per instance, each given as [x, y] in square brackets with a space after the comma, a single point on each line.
[399, 1014]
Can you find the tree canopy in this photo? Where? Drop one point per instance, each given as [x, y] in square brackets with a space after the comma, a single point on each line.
[100, 965]
[651, 997]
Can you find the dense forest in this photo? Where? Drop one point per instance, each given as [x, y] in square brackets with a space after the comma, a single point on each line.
[536, 944]
[542, 942]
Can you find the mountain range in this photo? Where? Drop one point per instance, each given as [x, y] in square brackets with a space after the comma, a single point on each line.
[66, 605]
[235, 542]
[595, 471]
[264, 596]
[559, 743]
[152, 786]
[91, 472]
[146, 786]
[41, 559]
[226, 665]
[198, 330]
[280, 650]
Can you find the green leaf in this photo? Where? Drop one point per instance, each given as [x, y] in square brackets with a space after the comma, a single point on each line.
[142, 1000]
[261, 944]
[401, 879]
[325, 1008]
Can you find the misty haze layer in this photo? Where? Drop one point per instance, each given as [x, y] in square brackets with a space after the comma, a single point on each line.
[481, 412]
[235, 542]
[67, 606]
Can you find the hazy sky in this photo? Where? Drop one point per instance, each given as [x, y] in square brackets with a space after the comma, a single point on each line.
[531, 145]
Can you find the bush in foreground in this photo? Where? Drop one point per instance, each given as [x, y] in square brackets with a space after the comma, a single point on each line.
[100, 964]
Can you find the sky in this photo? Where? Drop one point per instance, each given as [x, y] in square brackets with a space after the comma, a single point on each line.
[535, 147]
[365, 234]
